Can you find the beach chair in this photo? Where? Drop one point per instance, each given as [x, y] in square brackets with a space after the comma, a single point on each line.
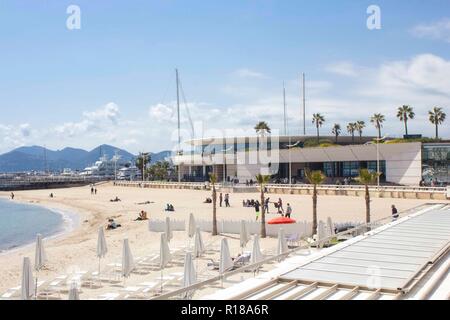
[11, 293]
[53, 288]
[109, 296]
[293, 240]
[239, 262]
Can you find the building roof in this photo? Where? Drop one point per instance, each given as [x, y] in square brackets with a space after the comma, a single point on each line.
[280, 138]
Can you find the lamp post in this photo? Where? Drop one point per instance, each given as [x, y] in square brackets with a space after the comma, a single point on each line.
[378, 159]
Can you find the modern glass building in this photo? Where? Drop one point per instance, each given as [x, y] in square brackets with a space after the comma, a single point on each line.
[242, 158]
[436, 163]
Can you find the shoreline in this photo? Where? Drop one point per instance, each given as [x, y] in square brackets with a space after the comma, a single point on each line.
[70, 221]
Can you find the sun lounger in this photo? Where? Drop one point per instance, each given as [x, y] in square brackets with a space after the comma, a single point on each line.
[240, 261]
[11, 293]
[109, 296]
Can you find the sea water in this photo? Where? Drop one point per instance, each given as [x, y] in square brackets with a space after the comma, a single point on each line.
[19, 223]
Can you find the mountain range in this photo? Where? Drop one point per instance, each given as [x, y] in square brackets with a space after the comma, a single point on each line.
[37, 158]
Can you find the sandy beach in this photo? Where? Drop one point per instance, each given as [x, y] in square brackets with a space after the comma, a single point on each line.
[75, 250]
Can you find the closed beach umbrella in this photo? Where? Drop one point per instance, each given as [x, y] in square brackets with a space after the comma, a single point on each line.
[189, 277]
[256, 250]
[27, 288]
[282, 244]
[73, 292]
[168, 230]
[321, 234]
[330, 226]
[127, 259]
[244, 236]
[225, 258]
[40, 257]
[192, 226]
[102, 249]
[164, 252]
[164, 255]
[199, 247]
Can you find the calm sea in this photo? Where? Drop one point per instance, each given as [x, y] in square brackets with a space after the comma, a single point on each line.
[19, 223]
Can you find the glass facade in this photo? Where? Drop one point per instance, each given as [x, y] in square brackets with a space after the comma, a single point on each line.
[436, 164]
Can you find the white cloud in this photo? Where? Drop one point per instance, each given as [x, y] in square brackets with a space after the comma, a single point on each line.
[438, 30]
[98, 120]
[424, 72]
[162, 112]
[14, 136]
[247, 73]
[343, 68]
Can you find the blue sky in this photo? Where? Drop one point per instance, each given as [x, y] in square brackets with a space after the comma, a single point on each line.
[112, 81]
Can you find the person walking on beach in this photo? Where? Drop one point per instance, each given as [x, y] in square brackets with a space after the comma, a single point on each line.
[227, 200]
[92, 190]
[220, 199]
[280, 206]
[266, 205]
[257, 209]
[288, 211]
[95, 191]
[12, 195]
[394, 213]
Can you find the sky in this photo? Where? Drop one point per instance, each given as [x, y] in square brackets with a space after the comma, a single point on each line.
[112, 80]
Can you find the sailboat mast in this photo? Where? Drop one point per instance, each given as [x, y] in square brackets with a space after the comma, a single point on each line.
[179, 126]
[304, 106]
[178, 107]
[284, 109]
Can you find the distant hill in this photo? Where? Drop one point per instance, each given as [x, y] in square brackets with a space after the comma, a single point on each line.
[37, 158]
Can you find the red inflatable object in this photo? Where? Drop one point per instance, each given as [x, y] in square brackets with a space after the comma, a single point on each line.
[281, 220]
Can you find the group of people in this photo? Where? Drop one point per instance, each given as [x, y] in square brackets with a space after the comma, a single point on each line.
[112, 224]
[142, 216]
[278, 205]
[226, 199]
[169, 207]
[93, 190]
[249, 183]
[116, 199]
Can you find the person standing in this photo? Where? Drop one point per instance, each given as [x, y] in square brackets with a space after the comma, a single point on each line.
[92, 190]
[220, 199]
[95, 191]
[12, 195]
[227, 200]
[280, 206]
[266, 205]
[257, 209]
[394, 213]
[288, 211]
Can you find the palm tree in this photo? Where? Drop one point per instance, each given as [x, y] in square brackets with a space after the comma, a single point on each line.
[378, 119]
[359, 126]
[315, 178]
[336, 130]
[318, 120]
[262, 180]
[262, 128]
[351, 128]
[213, 180]
[404, 113]
[437, 116]
[367, 177]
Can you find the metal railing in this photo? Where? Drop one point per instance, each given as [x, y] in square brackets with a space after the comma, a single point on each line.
[359, 187]
[360, 229]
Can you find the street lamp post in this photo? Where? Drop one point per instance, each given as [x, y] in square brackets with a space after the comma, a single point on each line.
[378, 159]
